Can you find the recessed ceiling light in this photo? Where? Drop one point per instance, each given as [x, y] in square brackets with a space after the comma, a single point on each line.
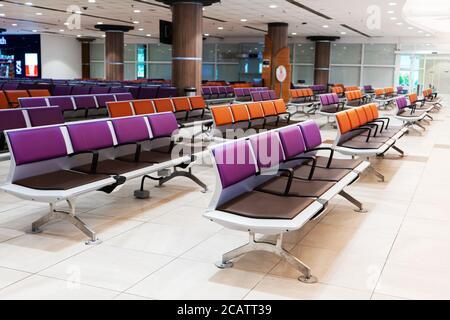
[273, 6]
[137, 11]
[149, 35]
[393, 18]
[244, 20]
[39, 13]
[206, 34]
[399, 23]
[61, 30]
[410, 28]
[294, 33]
[392, 4]
[428, 35]
[28, 3]
[343, 33]
[34, 30]
[100, 22]
[2, 14]
[78, 35]
[391, 12]
[14, 24]
[325, 26]
[220, 28]
[136, 22]
[420, 31]
[141, 29]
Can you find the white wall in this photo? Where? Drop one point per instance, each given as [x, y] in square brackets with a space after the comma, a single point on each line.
[61, 57]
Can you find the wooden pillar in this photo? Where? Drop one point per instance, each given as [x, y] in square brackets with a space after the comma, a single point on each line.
[86, 57]
[322, 65]
[187, 50]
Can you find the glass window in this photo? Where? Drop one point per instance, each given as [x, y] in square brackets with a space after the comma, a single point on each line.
[97, 70]
[378, 77]
[291, 50]
[209, 52]
[227, 52]
[346, 53]
[349, 76]
[405, 78]
[208, 72]
[130, 52]
[379, 54]
[405, 61]
[305, 53]
[141, 58]
[97, 51]
[159, 52]
[228, 72]
[130, 71]
[303, 73]
[160, 71]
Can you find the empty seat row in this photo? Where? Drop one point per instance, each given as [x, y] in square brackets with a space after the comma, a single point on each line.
[319, 89]
[245, 94]
[410, 114]
[274, 183]
[258, 96]
[217, 92]
[62, 162]
[356, 98]
[10, 98]
[188, 109]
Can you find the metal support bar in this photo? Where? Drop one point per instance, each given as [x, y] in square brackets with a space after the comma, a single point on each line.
[276, 249]
[353, 201]
[376, 173]
[402, 153]
[70, 217]
[186, 174]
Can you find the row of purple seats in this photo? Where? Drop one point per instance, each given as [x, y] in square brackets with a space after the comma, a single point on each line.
[74, 103]
[259, 96]
[245, 94]
[25, 118]
[217, 92]
[62, 162]
[319, 89]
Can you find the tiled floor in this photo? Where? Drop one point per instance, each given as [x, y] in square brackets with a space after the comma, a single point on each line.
[163, 248]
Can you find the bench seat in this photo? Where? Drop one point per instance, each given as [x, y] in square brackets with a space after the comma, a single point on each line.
[299, 188]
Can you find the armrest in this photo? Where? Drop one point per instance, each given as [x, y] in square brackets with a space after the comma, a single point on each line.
[313, 167]
[325, 149]
[387, 120]
[373, 124]
[290, 173]
[364, 129]
[138, 149]
[94, 162]
[381, 123]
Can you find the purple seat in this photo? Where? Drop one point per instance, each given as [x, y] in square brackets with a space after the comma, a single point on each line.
[399, 90]
[292, 141]
[12, 119]
[147, 93]
[103, 99]
[329, 99]
[66, 103]
[239, 93]
[229, 91]
[402, 103]
[123, 96]
[33, 102]
[222, 92]
[163, 124]
[80, 90]
[119, 90]
[273, 95]
[34, 145]
[45, 116]
[247, 92]
[131, 130]
[267, 149]
[206, 92]
[10, 86]
[100, 90]
[135, 91]
[265, 95]
[90, 136]
[85, 102]
[215, 92]
[256, 96]
[368, 88]
[235, 162]
[167, 92]
[62, 90]
[311, 134]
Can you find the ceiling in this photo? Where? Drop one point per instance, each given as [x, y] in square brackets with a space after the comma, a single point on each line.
[320, 17]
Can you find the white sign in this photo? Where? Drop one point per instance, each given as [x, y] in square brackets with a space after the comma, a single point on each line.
[2, 41]
[281, 74]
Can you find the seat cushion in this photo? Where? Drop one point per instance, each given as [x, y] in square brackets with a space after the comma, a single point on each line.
[299, 188]
[321, 174]
[259, 205]
[363, 137]
[60, 180]
[350, 164]
[113, 167]
[407, 114]
[148, 157]
[361, 145]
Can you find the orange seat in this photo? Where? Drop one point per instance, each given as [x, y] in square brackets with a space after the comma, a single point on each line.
[353, 117]
[120, 109]
[255, 110]
[295, 94]
[337, 90]
[412, 98]
[3, 101]
[143, 107]
[368, 112]
[362, 115]
[163, 105]
[280, 106]
[379, 92]
[39, 93]
[14, 95]
[222, 116]
[197, 102]
[343, 122]
[389, 90]
[352, 88]
[269, 109]
[374, 109]
[181, 104]
[240, 113]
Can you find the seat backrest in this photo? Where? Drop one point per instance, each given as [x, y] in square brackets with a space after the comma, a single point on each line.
[235, 162]
[267, 149]
[129, 130]
[119, 90]
[32, 102]
[273, 95]
[294, 93]
[35, 145]
[255, 110]
[222, 90]
[361, 115]
[368, 88]
[167, 92]
[265, 96]
[311, 134]
[374, 110]
[379, 92]
[197, 102]
[368, 111]
[239, 92]
[62, 90]
[66, 103]
[120, 109]
[45, 116]
[39, 93]
[402, 103]
[280, 106]
[163, 124]
[3, 101]
[353, 117]
[100, 90]
[102, 99]
[163, 105]
[389, 90]
[90, 136]
[222, 115]
[123, 96]
[412, 98]
[353, 95]
[148, 93]
[181, 104]
[214, 90]
[229, 90]
[256, 96]
[10, 86]
[240, 112]
[12, 119]
[14, 95]
[142, 107]
[337, 90]
[292, 141]
[343, 121]
[85, 102]
[269, 109]
[80, 90]
[352, 88]
[206, 91]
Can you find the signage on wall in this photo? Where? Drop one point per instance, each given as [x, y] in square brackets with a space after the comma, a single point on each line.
[266, 63]
[24, 51]
[281, 74]
[3, 41]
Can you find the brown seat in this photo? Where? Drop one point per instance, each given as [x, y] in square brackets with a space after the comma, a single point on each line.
[60, 180]
[363, 138]
[148, 157]
[361, 145]
[261, 205]
[321, 174]
[350, 164]
[112, 167]
[407, 113]
[299, 188]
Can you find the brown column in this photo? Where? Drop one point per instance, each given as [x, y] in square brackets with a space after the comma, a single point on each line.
[322, 65]
[114, 50]
[86, 57]
[187, 51]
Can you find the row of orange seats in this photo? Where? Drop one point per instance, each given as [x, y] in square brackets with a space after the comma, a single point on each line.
[10, 98]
